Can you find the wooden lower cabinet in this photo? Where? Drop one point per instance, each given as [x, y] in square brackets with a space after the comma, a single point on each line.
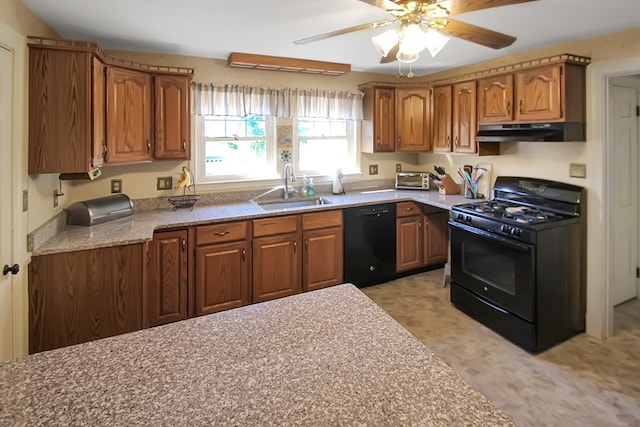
[75, 297]
[167, 279]
[422, 236]
[322, 260]
[436, 237]
[276, 258]
[409, 243]
[223, 262]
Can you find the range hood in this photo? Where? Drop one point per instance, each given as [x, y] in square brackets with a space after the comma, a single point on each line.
[531, 132]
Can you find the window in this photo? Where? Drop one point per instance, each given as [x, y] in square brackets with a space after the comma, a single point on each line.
[235, 147]
[325, 145]
[232, 148]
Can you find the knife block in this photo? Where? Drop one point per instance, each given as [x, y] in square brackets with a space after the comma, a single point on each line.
[448, 185]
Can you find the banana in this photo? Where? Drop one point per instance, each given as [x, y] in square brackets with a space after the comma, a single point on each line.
[184, 180]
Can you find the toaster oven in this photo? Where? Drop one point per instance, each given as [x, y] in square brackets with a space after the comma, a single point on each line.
[412, 181]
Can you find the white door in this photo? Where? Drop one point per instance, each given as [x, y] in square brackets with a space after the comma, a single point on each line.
[624, 136]
[7, 338]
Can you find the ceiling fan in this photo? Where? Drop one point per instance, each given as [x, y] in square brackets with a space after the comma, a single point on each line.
[422, 25]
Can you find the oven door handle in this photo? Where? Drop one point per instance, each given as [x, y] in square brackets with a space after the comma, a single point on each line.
[523, 247]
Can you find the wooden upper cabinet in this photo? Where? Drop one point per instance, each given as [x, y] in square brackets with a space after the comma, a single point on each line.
[171, 119]
[413, 119]
[538, 94]
[61, 91]
[379, 116]
[495, 99]
[464, 117]
[99, 111]
[167, 278]
[442, 116]
[129, 130]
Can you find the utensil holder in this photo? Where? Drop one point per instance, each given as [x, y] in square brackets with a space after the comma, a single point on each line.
[468, 192]
[448, 185]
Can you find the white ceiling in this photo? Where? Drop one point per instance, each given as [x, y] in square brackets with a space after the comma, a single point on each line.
[215, 28]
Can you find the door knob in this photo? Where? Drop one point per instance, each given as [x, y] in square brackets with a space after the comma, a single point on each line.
[14, 269]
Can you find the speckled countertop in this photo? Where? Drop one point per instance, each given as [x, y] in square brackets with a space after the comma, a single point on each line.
[328, 357]
[140, 226]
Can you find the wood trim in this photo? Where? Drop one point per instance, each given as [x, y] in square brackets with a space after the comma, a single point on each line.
[292, 65]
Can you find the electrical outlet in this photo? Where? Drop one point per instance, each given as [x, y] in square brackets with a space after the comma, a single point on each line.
[116, 186]
[164, 183]
[398, 167]
[577, 170]
[373, 169]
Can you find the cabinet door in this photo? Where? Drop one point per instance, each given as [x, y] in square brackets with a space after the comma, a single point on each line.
[413, 124]
[81, 296]
[98, 112]
[384, 120]
[495, 99]
[128, 116]
[436, 238]
[59, 111]
[171, 119]
[222, 277]
[322, 264]
[464, 117]
[167, 278]
[409, 243]
[276, 267]
[538, 94]
[442, 106]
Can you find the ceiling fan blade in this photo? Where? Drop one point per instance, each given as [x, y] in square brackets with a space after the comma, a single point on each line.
[391, 56]
[474, 34]
[323, 36]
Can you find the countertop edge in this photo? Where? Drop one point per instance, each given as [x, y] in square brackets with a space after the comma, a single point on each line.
[140, 227]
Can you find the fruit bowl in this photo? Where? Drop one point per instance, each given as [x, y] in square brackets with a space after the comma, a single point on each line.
[187, 183]
[185, 201]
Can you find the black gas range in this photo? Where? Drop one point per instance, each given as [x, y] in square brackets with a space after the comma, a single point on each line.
[517, 261]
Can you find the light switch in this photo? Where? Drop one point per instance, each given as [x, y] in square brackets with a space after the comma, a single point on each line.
[577, 170]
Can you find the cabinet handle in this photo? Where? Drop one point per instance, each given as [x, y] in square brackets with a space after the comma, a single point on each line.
[378, 141]
[221, 233]
[306, 244]
[184, 145]
[244, 254]
[520, 106]
[420, 224]
[448, 141]
[148, 146]
[509, 107]
[295, 247]
[184, 244]
[456, 142]
[399, 140]
[409, 209]
[104, 151]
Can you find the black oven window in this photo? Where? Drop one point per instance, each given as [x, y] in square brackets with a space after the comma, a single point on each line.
[490, 263]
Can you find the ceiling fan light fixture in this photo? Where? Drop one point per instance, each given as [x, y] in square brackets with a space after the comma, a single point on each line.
[414, 40]
[385, 42]
[435, 41]
[407, 58]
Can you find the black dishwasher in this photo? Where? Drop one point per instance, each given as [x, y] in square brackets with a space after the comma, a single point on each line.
[370, 244]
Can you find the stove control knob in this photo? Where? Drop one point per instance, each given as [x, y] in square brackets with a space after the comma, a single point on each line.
[516, 232]
[505, 228]
[460, 217]
[468, 219]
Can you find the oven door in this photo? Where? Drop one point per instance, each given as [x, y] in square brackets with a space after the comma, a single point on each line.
[497, 269]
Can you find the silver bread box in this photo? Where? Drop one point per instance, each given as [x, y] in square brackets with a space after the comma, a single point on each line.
[97, 211]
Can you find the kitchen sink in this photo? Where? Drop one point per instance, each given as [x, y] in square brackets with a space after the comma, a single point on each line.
[294, 203]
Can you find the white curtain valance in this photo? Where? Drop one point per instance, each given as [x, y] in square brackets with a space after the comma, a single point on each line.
[237, 100]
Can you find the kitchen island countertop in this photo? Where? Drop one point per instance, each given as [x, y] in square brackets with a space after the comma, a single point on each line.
[140, 226]
[328, 357]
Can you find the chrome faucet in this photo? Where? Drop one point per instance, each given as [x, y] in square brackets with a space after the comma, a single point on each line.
[288, 169]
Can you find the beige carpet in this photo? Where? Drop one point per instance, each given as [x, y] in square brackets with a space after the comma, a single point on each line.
[581, 382]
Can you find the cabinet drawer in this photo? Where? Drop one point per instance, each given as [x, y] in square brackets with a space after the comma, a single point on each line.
[407, 209]
[220, 233]
[278, 225]
[312, 221]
